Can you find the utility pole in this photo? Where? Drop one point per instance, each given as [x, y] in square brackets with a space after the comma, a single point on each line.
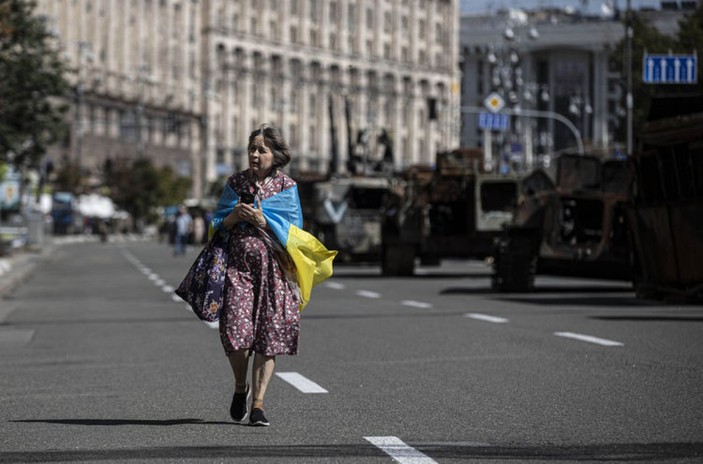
[628, 72]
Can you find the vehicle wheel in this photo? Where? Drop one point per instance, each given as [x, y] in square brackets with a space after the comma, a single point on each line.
[398, 260]
[515, 262]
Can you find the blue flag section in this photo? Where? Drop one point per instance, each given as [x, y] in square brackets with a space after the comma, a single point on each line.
[284, 216]
[670, 69]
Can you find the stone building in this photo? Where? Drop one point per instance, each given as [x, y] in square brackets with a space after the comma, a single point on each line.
[185, 81]
[137, 80]
[326, 70]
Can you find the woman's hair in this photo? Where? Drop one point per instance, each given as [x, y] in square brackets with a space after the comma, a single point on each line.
[275, 141]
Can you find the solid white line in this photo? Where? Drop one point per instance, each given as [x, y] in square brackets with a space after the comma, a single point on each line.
[487, 318]
[368, 294]
[301, 383]
[588, 338]
[416, 304]
[335, 285]
[399, 451]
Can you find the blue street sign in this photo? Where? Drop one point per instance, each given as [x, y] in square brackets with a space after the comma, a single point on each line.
[670, 69]
[491, 121]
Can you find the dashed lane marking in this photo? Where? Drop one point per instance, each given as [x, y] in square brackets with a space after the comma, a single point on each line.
[588, 338]
[368, 294]
[335, 285]
[399, 451]
[300, 382]
[416, 304]
[487, 318]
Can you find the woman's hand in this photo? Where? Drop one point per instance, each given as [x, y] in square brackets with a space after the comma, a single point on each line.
[245, 212]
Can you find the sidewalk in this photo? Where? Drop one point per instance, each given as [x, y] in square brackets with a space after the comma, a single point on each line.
[14, 269]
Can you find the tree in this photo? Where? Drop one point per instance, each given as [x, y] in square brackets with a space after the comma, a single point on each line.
[138, 187]
[33, 90]
[646, 39]
[690, 39]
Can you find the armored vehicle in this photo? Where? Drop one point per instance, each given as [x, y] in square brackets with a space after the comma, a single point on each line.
[455, 210]
[666, 218]
[346, 214]
[574, 226]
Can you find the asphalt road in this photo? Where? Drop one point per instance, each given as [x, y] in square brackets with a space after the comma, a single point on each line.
[99, 363]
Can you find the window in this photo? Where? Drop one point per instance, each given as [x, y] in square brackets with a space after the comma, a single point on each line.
[388, 22]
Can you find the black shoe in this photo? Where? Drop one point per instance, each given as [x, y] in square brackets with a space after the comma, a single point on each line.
[257, 418]
[238, 409]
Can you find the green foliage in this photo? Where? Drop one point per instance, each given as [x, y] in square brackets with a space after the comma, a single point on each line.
[690, 39]
[32, 77]
[138, 187]
[68, 177]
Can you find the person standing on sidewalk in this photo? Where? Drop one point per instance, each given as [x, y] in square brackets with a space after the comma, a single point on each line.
[184, 226]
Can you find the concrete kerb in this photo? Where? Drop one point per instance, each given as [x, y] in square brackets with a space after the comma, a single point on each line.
[16, 268]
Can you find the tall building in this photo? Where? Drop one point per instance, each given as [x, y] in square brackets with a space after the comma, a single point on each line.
[327, 71]
[137, 80]
[185, 81]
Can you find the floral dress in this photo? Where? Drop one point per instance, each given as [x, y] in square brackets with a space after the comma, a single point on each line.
[260, 310]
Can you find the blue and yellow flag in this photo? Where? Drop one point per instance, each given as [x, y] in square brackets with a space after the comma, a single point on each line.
[313, 262]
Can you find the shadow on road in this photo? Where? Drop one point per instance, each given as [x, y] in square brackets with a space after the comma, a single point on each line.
[649, 318]
[375, 274]
[113, 422]
[620, 452]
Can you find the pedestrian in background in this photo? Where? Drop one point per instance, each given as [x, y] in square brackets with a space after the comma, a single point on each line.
[184, 226]
[260, 315]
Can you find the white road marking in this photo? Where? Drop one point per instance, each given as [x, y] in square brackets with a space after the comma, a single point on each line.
[416, 304]
[588, 338]
[167, 289]
[487, 318]
[303, 384]
[368, 294]
[177, 299]
[399, 451]
[335, 285]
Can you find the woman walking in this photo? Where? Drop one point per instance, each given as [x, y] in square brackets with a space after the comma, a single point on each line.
[260, 317]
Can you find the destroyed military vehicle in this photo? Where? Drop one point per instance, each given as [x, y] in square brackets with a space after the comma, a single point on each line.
[453, 211]
[574, 226]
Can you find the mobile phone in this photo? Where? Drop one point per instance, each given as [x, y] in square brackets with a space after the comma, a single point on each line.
[247, 198]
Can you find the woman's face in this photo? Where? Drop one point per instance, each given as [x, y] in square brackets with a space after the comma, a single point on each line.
[260, 157]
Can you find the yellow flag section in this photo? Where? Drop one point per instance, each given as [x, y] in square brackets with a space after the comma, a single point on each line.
[313, 262]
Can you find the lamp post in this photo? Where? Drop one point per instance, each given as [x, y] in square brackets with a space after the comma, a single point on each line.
[628, 72]
[508, 79]
[85, 55]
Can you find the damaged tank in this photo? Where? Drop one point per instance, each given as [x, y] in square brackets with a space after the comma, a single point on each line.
[346, 214]
[574, 226]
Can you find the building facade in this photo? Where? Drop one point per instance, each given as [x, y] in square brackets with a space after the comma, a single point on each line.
[552, 66]
[137, 78]
[326, 71]
[185, 81]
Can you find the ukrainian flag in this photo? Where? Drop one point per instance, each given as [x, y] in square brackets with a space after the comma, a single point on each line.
[313, 262]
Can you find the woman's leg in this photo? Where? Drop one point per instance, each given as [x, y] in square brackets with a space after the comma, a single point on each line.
[261, 375]
[239, 362]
